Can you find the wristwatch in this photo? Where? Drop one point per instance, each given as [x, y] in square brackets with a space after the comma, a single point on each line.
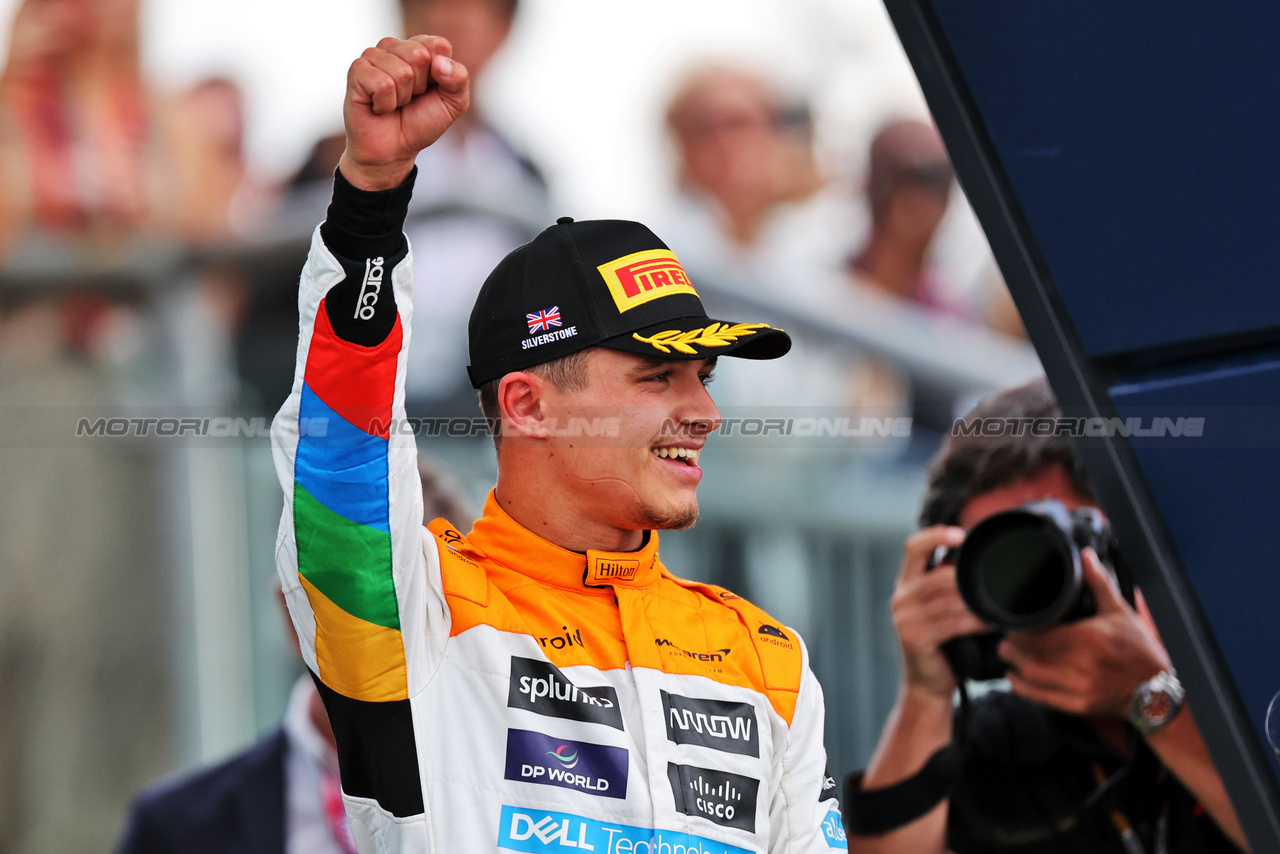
[1156, 702]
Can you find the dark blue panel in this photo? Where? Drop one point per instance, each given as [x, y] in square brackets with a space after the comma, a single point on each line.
[1143, 144]
[1219, 496]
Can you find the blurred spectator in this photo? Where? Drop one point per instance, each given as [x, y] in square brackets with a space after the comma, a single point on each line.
[749, 204]
[908, 188]
[741, 147]
[77, 116]
[207, 196]
[752, 217]
[477, 197]
[496, 197]
[282, 795]
[82, 598]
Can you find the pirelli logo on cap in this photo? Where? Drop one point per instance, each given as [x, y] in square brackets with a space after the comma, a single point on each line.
[610, 570]
[643, 276]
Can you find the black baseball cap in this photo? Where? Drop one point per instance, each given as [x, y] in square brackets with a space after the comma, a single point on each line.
[606, 283]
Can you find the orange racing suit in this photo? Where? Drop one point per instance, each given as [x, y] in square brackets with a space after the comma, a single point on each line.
[496, 691]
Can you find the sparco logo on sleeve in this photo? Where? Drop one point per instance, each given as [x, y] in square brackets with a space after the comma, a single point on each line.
[540, 687]
[370, 288]
[717, 724]
[597, 769]
[718, 796]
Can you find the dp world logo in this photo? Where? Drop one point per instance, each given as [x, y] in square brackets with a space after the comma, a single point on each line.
[565, 755]
[597, 769]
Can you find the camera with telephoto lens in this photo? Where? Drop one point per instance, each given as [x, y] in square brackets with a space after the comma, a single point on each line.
[1022, 570]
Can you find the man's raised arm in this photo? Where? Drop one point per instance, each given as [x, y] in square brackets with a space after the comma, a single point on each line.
[362, 591]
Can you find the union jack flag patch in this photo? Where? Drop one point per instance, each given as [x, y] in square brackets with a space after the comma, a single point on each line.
[541, 321]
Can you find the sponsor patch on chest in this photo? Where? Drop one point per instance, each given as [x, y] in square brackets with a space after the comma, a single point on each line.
[718, 796]
[540, 687]
[718, 724]
[598, 769]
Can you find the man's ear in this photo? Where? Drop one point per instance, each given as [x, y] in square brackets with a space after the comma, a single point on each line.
[521, 399]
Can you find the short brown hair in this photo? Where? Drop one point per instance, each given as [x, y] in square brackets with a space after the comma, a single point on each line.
[568, 373]
[969, 465]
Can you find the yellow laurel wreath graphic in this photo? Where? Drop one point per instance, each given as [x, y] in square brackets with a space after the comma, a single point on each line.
[715, 335]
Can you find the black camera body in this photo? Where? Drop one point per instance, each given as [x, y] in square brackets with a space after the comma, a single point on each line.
[1021, 570]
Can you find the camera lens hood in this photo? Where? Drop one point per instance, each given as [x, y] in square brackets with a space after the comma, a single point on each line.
[1020, 570]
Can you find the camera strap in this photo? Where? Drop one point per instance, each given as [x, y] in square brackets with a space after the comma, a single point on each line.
[870, 812]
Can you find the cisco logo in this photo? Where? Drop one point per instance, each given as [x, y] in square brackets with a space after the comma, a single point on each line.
[718, 796]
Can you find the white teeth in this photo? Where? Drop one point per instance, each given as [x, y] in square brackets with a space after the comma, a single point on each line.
[677, 453]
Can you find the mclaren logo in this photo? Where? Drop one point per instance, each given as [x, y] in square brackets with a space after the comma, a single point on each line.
[643, 276]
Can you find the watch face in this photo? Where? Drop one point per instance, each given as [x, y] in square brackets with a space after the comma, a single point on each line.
[1156, 706]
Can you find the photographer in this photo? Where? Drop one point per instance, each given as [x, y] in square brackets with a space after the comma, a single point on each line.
[1076, 755]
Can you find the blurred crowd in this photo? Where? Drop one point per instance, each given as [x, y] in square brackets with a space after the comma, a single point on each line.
[103, 169]
[94, 158]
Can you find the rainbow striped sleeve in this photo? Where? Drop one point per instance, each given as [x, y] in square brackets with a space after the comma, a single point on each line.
[350, 553]
[341, 513]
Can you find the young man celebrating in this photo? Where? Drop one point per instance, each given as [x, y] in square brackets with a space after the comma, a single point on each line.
[542, 684]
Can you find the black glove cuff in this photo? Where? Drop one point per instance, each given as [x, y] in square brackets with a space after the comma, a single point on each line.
[870, 812]
[361, 222]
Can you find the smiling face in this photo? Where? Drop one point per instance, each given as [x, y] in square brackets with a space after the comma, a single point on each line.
[643, 472]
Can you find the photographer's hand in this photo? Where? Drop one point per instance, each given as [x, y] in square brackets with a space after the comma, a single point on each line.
[1088, 667]
[927, 612]
[1092, 667]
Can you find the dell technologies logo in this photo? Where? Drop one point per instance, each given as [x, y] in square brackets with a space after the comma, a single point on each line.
[597, 769]
[540, 687]
[718, 724]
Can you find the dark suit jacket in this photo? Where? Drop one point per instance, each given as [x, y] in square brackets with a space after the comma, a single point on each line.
[233, 808]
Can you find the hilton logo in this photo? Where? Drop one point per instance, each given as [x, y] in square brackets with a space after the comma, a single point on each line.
[609, 570]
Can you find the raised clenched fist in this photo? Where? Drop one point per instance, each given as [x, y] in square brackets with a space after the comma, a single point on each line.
[401, 96]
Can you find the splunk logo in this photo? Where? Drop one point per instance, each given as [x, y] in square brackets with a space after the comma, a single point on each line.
[718, 724]
[718, 796]
[540, 687]
[370, 288]
[594, 768]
